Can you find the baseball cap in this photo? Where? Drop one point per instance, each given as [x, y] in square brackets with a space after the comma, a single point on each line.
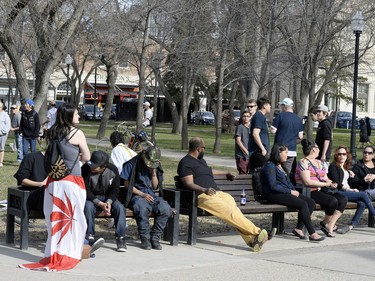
[151, 157]
[321, 107]
[13, 106]
[287, 102]
[146, 103]
[52, 102]
[98, 158]
[30, 102]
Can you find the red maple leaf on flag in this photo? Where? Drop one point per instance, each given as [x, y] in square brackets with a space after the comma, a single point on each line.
[64, 219]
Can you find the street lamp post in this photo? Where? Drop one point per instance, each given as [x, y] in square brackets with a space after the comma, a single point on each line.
[68, 61]
[357, 24]
[95, 93]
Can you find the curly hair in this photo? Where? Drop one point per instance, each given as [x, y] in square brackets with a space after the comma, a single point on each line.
[115, 138]
[348, 161]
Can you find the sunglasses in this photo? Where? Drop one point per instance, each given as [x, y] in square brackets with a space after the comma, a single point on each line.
[341, 154]
[368, 152]
[251, 106]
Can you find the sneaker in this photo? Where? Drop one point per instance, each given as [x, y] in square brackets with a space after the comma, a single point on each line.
[1, 165]
[121, 245]
[259, 241]
[156, 245]
[110, 222]
[344, 229]
[91, 239]
[12, 147]
[146, 244]
[96, 245]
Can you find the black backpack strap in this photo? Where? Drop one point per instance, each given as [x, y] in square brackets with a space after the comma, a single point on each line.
[129, 192]
[75, 131]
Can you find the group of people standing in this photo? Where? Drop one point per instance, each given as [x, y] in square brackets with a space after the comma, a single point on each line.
[25, 124]
[283, 178]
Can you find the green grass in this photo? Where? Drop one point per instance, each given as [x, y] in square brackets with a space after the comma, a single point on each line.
[165, 139]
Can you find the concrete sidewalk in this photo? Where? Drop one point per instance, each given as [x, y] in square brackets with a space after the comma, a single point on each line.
[215, 257]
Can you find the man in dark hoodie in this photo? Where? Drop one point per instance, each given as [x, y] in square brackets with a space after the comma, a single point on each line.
[102, 183]
[324, 133]
[29, 127]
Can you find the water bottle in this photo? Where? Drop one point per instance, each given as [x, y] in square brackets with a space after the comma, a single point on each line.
[243, 198]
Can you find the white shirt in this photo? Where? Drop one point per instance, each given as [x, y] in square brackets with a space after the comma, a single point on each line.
[121, 154]
[148, 116]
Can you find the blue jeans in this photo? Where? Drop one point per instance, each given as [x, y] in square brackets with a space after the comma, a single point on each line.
[18, 139]
[118, 212]
[142, 210]
[363, 200]
[25, 145]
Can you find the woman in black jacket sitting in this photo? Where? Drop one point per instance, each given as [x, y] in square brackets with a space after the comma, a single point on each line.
[340, 173]
[278, 189]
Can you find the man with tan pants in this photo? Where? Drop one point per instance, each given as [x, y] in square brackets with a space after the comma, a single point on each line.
[195, 175]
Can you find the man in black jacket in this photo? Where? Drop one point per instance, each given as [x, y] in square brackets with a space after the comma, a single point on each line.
[102, 183]
[29, 127]
[32, 176]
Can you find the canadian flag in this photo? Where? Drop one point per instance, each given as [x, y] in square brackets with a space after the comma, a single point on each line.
[64, 202]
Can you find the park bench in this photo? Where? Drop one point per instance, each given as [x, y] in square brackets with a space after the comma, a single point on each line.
[255, 203]
[17, 207]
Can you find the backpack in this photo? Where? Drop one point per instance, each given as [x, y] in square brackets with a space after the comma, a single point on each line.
[54, 162]
[256, 181]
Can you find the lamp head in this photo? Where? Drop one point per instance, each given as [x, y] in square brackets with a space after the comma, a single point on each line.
[68, 59]
[358, 22]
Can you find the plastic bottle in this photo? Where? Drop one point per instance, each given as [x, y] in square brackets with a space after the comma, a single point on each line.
[243, 198]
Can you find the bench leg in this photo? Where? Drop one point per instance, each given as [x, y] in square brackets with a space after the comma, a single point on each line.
[371, 220]
[172, 230]
[193, 225]
[10, 229]
[24, 233]
[278, 222]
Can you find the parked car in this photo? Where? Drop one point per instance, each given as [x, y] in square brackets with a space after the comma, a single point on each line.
[344, 119]
[372, 123]
[236, 117]
[204, 118]
[87, 112]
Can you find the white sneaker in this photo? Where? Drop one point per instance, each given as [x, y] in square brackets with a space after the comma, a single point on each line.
[110, 222]
[1, 165]
[12, 147]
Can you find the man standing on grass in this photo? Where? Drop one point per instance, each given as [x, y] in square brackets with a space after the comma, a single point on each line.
[324, 133]
[288, 129]
[195, 175]
[259, 139]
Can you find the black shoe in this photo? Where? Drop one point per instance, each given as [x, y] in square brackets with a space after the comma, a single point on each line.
[146, 244]
[321, 238]
[298, 235]
[121, 245]
[156, 245]
[91, 239]
[96, 245]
